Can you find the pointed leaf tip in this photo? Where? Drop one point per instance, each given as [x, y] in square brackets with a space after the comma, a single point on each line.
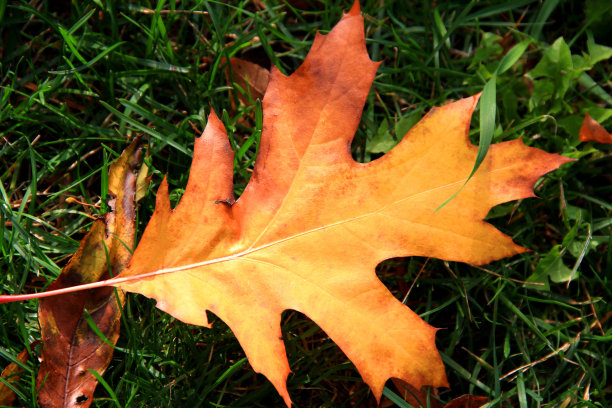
[591, 130]
[162, 200]
[355, 9]
[211, 176]
[213, 119]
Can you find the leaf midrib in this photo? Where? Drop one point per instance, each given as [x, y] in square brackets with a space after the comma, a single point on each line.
[121, 279]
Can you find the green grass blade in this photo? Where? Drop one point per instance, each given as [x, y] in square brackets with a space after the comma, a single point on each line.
[487, 105]
[145, 129]
[396, 399]
[512, 57]
[91, 62]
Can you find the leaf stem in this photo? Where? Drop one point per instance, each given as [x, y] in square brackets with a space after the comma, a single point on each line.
[28, 296]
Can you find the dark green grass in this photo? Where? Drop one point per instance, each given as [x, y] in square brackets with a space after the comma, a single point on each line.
[79, 79]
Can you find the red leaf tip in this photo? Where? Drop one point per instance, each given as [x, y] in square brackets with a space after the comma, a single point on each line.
[355, 10]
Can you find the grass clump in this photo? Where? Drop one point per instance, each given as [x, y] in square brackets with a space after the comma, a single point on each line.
[79, 79]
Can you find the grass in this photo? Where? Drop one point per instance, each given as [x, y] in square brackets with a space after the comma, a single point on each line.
[79, 79]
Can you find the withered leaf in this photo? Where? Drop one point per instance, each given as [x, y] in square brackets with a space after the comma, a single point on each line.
[251, 78]
[10, 375]
[69, 345]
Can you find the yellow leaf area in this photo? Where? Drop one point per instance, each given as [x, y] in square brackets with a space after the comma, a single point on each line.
[312, 224]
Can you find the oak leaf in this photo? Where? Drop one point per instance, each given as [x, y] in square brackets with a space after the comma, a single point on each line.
[593, 131]
[312, 224]
[70, 347]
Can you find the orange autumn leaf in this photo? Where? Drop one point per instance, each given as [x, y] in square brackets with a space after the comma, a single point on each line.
[313, 224]
[593, 131]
